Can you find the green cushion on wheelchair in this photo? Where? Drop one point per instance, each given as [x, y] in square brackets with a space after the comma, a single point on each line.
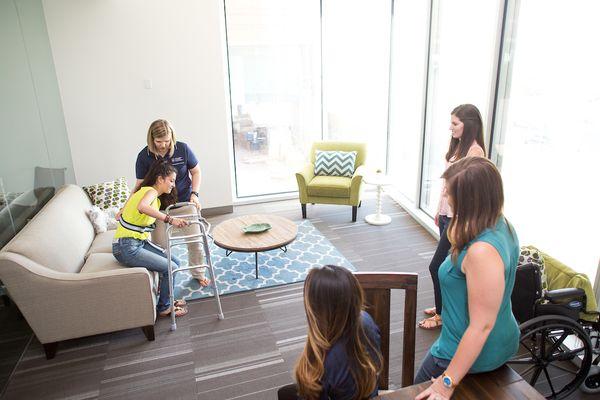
[560, 276]
[329, 186]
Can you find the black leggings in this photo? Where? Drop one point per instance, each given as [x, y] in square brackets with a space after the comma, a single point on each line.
[288, 392]
[441, 252]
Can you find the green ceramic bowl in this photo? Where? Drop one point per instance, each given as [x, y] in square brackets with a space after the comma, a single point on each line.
[256, 228]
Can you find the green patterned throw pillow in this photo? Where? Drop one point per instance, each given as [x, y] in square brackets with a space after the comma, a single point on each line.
[531, 255]
[335, 163]
[108, 194]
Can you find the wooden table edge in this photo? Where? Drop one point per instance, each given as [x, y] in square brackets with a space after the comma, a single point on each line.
[255, 249]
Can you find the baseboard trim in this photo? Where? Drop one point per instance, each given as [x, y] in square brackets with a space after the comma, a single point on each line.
[214, 211]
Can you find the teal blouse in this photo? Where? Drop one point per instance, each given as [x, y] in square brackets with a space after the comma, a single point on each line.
[503, 341]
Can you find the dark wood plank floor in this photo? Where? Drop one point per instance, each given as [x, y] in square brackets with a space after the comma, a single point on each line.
[246, 356]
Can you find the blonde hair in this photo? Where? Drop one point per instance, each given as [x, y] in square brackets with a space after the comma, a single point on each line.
[333, 301]
[160, 129]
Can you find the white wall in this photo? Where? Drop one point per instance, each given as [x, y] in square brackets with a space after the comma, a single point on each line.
[105, 50]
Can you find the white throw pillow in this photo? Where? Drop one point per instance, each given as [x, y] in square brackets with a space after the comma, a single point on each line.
[103, 220]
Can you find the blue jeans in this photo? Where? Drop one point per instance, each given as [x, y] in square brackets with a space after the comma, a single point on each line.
[431, 367]
[139, 253]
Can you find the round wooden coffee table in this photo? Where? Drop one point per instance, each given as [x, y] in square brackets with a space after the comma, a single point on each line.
[229, 235]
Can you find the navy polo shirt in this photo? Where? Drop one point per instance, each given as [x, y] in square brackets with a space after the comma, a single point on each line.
[183, 160]
[337, 381]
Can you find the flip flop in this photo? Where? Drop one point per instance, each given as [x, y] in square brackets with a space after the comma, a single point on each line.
[179, 312]
[430, 311]
[431, 322]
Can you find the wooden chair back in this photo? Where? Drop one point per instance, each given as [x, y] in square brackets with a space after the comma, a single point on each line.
[377, 287]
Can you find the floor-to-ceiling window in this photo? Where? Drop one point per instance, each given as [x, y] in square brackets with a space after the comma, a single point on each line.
[275, 68]
[356, 49]
[390, 72]
[461, 70]
[547, 133]
[408, 76]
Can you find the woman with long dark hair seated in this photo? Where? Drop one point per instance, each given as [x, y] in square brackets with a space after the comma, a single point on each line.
[341, 358]
[479, 333]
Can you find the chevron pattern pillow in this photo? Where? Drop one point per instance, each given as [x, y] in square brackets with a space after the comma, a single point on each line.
[335, 163]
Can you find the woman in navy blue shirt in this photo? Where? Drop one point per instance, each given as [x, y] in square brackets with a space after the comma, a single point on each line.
[163, 145]
[341, 359]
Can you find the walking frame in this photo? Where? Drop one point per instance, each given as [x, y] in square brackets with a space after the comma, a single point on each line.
[202, 237]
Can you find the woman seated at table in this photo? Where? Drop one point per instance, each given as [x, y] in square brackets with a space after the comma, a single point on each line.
[480, 332]
[341, 358]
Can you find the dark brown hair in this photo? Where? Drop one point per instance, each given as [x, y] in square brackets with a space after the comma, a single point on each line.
[163, 169]
[470, 116]
[333, 301]
[474, 188]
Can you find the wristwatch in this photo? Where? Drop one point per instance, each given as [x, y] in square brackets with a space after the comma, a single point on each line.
[447, 381]
[196, 193]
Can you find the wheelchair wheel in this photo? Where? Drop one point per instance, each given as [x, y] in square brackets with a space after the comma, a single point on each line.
[545, 361]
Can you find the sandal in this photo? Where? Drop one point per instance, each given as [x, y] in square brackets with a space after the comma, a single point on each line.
[204, 282]
[431, 322]
[179, 311]
[180, 303]
[431, 311]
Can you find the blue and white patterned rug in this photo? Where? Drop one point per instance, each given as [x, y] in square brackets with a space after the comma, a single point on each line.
[236, 272]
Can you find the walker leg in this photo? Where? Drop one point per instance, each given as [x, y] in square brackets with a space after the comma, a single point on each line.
[256, 263]
[171, 282]
[213, 277]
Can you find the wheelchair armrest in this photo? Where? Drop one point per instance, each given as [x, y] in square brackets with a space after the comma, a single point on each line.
[556, 295]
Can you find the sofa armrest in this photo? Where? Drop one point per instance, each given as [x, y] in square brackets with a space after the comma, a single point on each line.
[304, 177]
[60, 306]
[356, 183]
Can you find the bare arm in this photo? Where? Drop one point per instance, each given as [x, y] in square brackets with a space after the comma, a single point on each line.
[196, 178]
[485, 288]
[138, 183]
[145, 207]
[475, 151]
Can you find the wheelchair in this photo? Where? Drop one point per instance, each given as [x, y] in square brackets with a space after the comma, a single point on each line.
[559, 351]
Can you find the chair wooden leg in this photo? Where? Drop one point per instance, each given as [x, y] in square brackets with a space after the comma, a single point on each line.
[50, 350]
[354, 210]
[303, 211]
[149, 332]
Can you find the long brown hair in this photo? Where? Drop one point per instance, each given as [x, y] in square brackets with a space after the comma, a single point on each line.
[474, 188]
[159, 129]
[470, 116]
[333, 301]
[163, 169]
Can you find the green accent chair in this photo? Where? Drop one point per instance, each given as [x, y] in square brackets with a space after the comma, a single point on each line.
[332, 189]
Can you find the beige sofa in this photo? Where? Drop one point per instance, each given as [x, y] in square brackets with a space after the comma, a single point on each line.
[65, 280]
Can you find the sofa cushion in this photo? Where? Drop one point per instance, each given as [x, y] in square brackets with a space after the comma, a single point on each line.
[329, 186]
[100, 262]
[101, 244]
[59, 236]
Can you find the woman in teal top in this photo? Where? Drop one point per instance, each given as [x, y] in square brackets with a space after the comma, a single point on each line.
[480, 332]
